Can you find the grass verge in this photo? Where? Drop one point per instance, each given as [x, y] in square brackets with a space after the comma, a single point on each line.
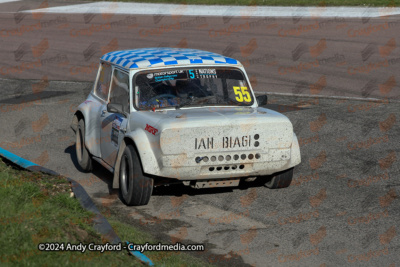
[322, 3]
[37, 208]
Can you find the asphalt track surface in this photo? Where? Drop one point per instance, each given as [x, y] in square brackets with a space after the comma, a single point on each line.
[342, 207]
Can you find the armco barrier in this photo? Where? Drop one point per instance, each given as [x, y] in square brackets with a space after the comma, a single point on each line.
[101, 225]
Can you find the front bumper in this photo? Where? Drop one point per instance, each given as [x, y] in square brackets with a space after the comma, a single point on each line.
[230, 164]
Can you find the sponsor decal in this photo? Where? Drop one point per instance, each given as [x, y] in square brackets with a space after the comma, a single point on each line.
[227, 142]
[116, 125]
[151, 129]
[203, 73]
[167, 75]
[205, 143]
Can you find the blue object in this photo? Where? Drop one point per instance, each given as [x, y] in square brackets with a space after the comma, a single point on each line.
[16, 159]
[164, 56]
[141, 256]
[191, 74]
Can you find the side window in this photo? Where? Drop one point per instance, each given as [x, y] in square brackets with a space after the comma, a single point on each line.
[103, 84]
[120, 90]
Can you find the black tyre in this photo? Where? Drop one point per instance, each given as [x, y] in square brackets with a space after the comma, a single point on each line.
[135, 188]
[280, 179]
[82, 154]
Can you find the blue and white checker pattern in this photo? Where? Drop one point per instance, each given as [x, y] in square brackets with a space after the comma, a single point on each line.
[155, 57]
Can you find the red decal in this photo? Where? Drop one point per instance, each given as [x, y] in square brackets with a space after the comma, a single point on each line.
[151, 129]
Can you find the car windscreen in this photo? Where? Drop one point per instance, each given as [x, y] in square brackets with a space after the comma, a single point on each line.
[191, 87]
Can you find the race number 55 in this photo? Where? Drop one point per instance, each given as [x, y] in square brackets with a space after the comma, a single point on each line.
[241, 94]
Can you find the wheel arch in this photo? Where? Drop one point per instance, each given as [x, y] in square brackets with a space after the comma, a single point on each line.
[295, 156]
[84, 112]
[144, 151]
[78, 115]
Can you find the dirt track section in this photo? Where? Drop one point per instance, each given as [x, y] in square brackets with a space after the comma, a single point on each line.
[331, 56]
[341, 209]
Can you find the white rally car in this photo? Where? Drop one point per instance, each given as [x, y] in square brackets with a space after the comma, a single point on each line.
[164, 115]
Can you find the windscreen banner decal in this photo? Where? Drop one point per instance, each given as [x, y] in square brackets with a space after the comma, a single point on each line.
[200, 73]
[116, 125]
[207, 73]
[181, 74]
[167, 75]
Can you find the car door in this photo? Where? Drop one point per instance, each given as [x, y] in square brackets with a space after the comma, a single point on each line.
[113, 125]
[100, 92]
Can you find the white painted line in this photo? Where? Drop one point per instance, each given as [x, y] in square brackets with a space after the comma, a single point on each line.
[6, 1]
[225, 11]
[390, 100]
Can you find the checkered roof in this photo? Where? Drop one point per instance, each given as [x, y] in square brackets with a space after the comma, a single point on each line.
[158, 57]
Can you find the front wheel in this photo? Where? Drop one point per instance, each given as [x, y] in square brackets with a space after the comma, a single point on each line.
[280, 180]
[135, 187]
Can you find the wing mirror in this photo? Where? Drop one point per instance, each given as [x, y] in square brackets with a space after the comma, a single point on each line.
[116, 108]
[262, 100]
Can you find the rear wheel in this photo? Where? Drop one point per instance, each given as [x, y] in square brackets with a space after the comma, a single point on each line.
[82, 154]
[135, 187]
[281, 179]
